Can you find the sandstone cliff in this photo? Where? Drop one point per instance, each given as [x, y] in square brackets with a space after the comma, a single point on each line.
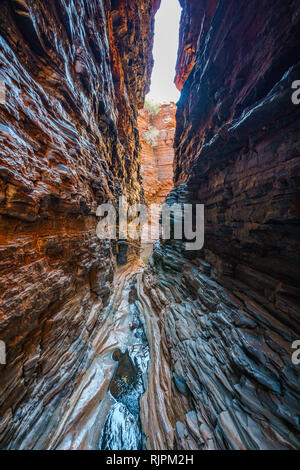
[75, 74]
[224, 319]
[157, 157]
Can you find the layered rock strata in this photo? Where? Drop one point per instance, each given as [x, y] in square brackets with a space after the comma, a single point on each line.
[157, 157]
[74, 75]
[224, 319]
[157, 128]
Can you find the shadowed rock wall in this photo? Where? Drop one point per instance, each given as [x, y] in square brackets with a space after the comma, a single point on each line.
[75, 74]
[226, 317]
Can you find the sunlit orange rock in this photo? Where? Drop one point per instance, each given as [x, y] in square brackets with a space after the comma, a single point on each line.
[157, 156]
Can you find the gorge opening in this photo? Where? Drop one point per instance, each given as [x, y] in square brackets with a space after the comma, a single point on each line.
[156, 121]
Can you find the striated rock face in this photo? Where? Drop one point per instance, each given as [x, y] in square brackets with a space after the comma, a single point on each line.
[195, 20]
[75, 74]
[157, 158]
[240, 57]
[224, 319]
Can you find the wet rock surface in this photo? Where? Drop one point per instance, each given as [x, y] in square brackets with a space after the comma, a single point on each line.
[102, 407]
[122, 427]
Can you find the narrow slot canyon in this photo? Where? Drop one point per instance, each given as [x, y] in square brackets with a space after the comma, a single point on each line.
[125, 343]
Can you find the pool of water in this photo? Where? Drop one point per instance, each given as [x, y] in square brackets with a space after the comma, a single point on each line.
[122, 427]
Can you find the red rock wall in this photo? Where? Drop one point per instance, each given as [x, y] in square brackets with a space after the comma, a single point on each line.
[149, 170]
[157, 161]
[75, 74]
[228, 315]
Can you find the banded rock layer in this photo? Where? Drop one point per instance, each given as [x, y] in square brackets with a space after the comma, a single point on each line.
[157, 159]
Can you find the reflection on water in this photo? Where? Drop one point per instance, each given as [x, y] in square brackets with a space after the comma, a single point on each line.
[122, 429]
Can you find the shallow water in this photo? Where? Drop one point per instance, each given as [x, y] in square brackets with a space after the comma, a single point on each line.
[122, 428]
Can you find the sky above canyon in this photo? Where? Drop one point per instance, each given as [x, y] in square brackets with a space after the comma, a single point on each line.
[165, 51]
